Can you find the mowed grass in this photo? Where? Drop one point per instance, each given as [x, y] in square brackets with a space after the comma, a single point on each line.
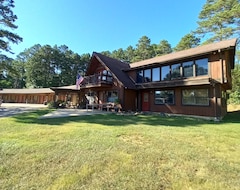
[119, 152]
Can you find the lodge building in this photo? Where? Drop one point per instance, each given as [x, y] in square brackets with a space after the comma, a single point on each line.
[188, 82]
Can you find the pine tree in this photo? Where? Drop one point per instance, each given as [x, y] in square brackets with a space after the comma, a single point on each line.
[188, 41]
[219, 19]
[7, 19]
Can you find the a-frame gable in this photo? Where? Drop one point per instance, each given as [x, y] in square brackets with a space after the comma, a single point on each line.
[115, 66]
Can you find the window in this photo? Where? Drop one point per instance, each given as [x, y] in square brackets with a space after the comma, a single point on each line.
[147, 75]
[112, 96]
[195, 97]
[156, 74]
[165, 73]
[164, 97]
[192, 68]
[140, 76]
[201, 67]
[107, 76]
[176, 71]
[188, 69]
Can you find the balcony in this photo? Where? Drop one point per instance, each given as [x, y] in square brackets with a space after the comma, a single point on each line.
[97, 80]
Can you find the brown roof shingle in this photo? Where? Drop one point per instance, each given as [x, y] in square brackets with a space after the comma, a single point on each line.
[117, 68]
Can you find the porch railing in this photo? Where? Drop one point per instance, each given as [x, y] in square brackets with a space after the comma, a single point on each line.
[97, 79]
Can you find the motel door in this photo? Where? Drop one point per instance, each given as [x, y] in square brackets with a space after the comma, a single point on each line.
[145, 101]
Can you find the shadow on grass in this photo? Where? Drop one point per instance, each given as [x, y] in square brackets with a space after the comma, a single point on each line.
[112, 120]
[232, 117]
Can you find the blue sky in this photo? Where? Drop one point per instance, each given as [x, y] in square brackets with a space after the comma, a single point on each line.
[100, 25]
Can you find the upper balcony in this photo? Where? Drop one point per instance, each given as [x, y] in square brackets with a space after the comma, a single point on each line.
[98, 80]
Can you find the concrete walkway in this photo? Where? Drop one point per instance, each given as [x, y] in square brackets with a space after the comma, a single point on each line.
[72, 112]
[10, 109]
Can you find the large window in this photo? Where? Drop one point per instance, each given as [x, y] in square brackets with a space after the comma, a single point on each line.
[165, 73]
[192, 68]
[195, 97]
[188, 69]
[176, 71]
[156, 74]
[147, 75]
[164, 97]
[201, 66]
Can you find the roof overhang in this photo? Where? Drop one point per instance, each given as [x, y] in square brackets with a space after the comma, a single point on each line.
[189, 53]
[175, 83]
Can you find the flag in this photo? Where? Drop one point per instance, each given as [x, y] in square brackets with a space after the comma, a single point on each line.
[79, 79]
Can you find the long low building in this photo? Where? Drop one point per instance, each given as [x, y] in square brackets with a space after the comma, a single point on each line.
[41, 95]
[34, 96]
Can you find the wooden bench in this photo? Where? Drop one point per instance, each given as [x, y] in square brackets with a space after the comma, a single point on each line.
[101, 106]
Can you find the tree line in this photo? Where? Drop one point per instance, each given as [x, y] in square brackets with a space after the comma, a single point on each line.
[46, 66]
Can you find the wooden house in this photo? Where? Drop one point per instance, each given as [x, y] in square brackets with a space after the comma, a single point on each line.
[188, 82]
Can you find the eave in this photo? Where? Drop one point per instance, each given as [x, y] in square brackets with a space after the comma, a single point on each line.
[174, 83]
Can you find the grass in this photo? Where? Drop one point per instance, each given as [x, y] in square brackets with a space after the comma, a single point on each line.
[119, 152]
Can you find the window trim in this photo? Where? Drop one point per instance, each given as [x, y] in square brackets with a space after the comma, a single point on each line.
[195, 98]
[173, 103]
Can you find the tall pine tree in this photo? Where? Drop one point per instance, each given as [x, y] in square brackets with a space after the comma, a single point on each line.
[219, 19]
[7, 19]
[188, 41]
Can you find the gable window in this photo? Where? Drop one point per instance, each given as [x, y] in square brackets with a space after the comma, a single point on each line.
[106, 76]
[195, 97]
[188, 69]
[201, 67]
[164, 97]
[165, 73]
[156, 74]
[176, 71]
[147, 75]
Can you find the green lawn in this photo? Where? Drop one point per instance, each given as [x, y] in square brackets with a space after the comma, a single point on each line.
[119, 152]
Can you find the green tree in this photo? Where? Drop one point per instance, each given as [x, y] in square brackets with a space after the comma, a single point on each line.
[144, 49]
[164, 47]
[119, 54]
[106, 53]
[19, 75]
[40, 68]
[130, 54]
[7, 19]
[235, 92]
[47, 66]
[219, 19]
[187, 42]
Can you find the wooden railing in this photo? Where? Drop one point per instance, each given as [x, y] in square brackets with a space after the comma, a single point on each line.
[97, 79]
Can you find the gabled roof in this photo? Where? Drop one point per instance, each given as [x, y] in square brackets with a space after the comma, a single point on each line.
[197, 51]
[27, 91]
[117, 69]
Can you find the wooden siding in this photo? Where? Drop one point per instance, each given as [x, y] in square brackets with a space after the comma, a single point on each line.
[179, 108]
[130, 100]
[27, 98]
[216, 67]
